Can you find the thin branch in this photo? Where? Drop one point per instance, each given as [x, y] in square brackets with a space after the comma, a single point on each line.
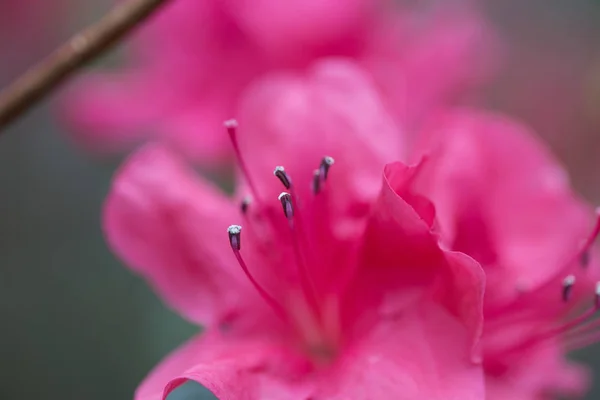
[90, 43]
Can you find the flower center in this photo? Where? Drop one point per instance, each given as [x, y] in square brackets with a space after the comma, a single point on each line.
[313, 316]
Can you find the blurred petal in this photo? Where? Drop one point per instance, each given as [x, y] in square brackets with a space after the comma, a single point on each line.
[525, 380]
[488, 168]
[171, 228]
[284, 27]
[334, 110]
[114, 117]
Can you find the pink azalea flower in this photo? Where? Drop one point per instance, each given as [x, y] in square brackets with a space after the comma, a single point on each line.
[504, 200]
[188, 67]
[332, 286]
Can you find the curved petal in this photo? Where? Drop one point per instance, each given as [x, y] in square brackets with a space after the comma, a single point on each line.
[503, 199]
[401, 255]
[222, 365]
[171, 228]
[423, 354]
[232, 368]
[185, 357]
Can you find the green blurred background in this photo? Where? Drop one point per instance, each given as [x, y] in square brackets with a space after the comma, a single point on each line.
[75, 324]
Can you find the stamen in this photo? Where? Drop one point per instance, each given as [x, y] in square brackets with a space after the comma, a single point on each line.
[231, 125]
[568, 283]
[590, 325]
[316, 183]
[235, 232]
[283, 177]
[308, 286]
[326, 163]
[245, 204]
[578, 321]
[286, 202]
[587, 333]
[580, 325]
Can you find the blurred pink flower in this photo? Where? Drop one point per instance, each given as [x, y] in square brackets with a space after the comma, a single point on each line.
[335, 288]
[188, 67]
[503, 199]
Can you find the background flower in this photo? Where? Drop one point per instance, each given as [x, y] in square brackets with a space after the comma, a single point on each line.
[188, 67]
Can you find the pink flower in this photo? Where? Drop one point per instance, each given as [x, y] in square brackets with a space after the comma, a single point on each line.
[332, 286]
[189, 66]
[502, 198]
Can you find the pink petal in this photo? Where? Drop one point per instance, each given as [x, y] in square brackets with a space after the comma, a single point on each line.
[235, 368]
[400, 178]
[109, 112]
[401, 257]
[486, 169]
[106, 112]
[408, 49]
[423, 354]
[284, 27]
[334, 110]
[171, 228]
[461, 289]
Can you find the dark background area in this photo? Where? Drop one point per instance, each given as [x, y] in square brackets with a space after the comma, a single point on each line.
[75, 324]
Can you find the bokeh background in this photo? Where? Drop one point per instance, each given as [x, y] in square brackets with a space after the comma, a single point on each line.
[75, 324]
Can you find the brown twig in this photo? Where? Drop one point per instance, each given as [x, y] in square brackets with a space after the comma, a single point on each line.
[40, 80]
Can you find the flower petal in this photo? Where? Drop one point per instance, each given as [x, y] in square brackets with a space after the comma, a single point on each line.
[283, 28]
[232, 368]
[332, 110]
[540, 371]
[113, 117]
[171, 229]
[405, 358]
[402, 254]
[410, 47]
[423, 354]
[503, 199]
